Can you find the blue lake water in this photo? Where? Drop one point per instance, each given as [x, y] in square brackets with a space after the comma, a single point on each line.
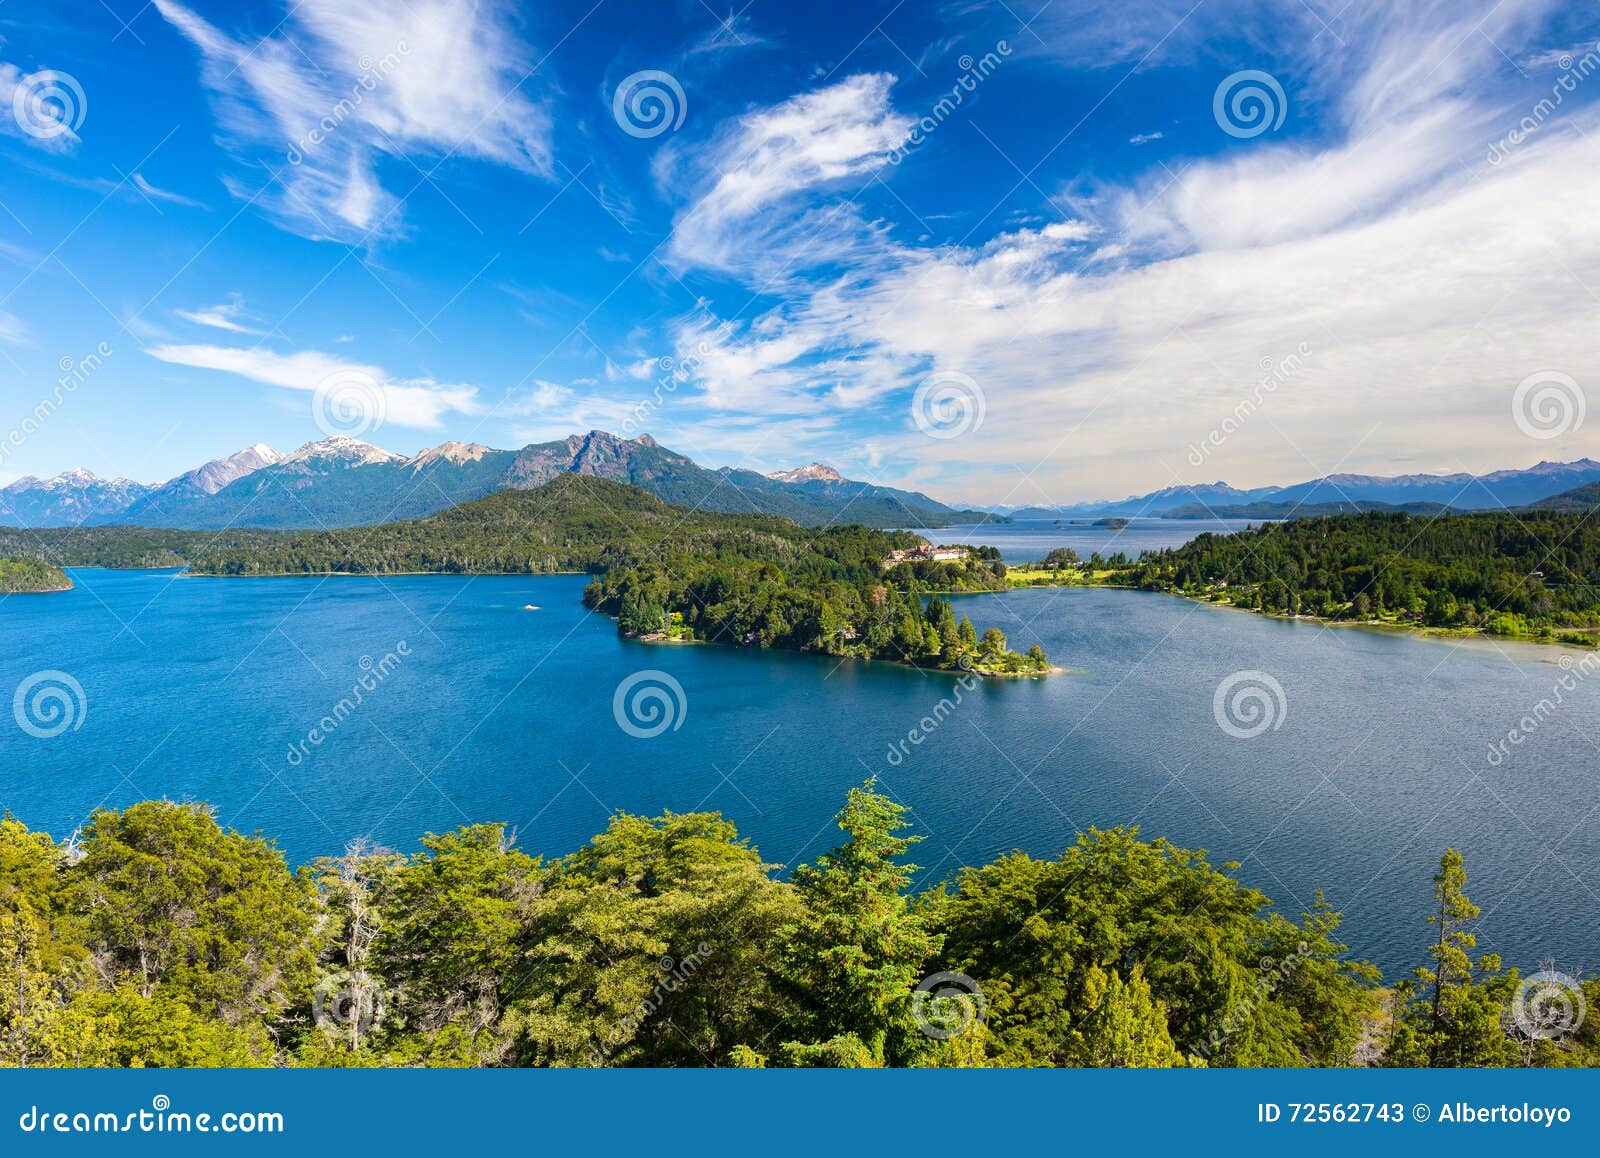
[200, 688]
[1027, 540]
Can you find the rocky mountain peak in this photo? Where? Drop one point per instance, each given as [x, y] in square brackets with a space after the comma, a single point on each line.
[342, 450]
[813, 472]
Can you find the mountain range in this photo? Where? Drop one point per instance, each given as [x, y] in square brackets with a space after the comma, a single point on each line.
[344, 482]
[1465, 492]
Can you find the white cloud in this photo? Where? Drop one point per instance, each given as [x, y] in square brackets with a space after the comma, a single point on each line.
[318, 104]
[156, 193]
[415, 402]
[11, 329]
[1425, 281]
[747, 179]
[44, 108]
[229, 315]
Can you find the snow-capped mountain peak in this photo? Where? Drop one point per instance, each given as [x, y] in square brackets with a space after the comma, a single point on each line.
[219, 472]
[814, 472]
[343, 450]
[452, 452]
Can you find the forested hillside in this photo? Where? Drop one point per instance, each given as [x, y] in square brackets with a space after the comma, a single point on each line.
[750, 580]
[157, 938]
[1507, 574]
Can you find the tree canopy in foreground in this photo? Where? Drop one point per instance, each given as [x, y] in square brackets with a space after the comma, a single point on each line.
[158, 938]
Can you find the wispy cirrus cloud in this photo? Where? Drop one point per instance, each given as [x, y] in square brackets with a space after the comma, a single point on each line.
[11, 329]
[1426, 280]
[747, 183]
[311, 110]
[229, 315]
[416, 402]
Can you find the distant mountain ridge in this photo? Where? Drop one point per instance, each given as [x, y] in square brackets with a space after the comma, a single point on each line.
[1501, 488]
[343, 482]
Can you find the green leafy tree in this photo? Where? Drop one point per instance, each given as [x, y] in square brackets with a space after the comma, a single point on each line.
[1452, 1015]
[450, 939]
[860, 948]
[173, 903]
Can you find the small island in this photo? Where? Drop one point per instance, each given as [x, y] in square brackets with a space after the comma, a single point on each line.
[1115, 524]
[26, 576]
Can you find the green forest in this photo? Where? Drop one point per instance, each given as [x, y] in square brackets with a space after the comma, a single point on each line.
[27, 574]
[1534, 574]
[667, 571]
[155, 937]
[828, 593]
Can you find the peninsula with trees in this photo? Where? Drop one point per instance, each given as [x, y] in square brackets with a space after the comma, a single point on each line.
[663, 571]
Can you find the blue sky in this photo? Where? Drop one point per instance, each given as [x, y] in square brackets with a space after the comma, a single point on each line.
[1009, 252]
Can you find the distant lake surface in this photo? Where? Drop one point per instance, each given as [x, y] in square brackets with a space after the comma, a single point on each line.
[208, 689]
[1025, 541]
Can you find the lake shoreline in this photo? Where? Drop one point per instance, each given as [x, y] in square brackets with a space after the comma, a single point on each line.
[1419, 631]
